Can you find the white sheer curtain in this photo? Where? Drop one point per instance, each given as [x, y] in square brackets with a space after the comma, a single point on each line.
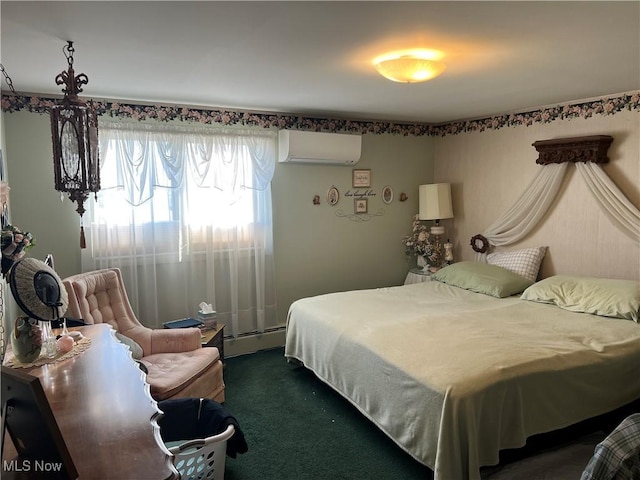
[531, 207]
[185, 212]
[528, 210]
[620, 211]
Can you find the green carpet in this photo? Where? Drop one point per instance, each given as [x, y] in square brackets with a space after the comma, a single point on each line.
[298, 428]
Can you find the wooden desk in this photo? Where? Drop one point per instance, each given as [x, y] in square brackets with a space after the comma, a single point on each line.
[105, 412]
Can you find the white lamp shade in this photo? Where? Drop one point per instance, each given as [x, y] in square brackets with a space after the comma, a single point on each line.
[435, 201]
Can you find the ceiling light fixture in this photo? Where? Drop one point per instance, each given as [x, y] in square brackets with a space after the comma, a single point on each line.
[410, 66]
[74, 128]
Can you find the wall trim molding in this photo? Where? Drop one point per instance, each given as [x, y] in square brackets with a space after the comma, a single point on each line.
[602, 106]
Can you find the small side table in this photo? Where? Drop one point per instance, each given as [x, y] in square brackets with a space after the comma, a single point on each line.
[215, 338]
[417, 275]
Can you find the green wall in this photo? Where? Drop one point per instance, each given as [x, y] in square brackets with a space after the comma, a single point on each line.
[35, 205]
[316, 251]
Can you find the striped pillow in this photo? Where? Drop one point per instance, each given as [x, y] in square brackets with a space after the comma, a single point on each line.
[525, 262]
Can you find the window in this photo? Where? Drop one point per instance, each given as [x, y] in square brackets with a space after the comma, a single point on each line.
[195, 204]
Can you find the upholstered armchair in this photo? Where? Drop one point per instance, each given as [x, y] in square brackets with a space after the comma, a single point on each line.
[177, 364]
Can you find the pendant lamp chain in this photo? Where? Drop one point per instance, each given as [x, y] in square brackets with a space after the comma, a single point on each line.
[7, 79]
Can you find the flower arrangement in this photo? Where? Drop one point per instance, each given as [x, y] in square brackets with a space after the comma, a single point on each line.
[418, 242]
[14, 245]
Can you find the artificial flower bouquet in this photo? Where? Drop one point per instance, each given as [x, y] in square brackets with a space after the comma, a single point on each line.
[15, 244]
[418, 243]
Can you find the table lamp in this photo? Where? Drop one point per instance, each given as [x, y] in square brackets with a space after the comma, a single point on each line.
[435, 204]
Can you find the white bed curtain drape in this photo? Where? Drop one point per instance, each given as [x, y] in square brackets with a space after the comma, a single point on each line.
[185, 212]
[528, 210]
[533, 204]
[620, 211]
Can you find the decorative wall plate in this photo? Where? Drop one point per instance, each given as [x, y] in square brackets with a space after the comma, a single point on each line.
[333, 196]
[387, 195]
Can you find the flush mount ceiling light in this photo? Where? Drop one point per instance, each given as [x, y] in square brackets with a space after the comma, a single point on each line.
[410, 66]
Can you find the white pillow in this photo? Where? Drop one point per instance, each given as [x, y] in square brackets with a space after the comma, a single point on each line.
[525, 262]
[598, 296]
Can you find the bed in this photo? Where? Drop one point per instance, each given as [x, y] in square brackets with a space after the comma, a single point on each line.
[454, 374]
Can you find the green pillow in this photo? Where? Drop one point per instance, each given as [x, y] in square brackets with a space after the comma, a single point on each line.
[482, 277]
[136, 349]
[599, 296]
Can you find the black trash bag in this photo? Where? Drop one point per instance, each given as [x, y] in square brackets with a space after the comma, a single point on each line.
[193, 418]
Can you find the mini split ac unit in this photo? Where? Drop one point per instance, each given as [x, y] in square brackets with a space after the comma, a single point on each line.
[318, 147]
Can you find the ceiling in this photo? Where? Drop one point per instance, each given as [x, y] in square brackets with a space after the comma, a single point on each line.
[314, 58]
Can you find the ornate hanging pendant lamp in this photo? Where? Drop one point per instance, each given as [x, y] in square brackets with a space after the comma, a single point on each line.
[74, 131]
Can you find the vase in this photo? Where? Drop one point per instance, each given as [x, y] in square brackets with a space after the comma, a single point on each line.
[422, 263]
[49, 345]
[26, 339]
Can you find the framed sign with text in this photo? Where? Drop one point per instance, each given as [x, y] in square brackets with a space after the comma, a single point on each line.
[361, 178]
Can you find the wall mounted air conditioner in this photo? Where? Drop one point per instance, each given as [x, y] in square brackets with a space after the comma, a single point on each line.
[318, 147]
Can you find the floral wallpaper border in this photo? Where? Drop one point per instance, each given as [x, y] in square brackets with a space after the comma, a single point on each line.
[602, 106]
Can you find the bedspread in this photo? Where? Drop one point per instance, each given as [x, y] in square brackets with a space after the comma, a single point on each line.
[454, 376]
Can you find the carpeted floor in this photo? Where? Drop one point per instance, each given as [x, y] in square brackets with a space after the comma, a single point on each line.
[562, 462]
[298, 428]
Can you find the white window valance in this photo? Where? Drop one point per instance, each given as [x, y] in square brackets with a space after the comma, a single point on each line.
[151, 156]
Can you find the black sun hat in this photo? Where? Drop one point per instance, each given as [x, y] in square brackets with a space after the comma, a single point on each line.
[38, 290]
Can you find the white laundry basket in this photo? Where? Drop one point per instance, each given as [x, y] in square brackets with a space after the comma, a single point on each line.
[202, 459]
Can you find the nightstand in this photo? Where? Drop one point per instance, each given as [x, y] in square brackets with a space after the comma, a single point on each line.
[417, 275]
[215, 338]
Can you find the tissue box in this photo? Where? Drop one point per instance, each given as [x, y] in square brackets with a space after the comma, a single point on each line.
[208, 318]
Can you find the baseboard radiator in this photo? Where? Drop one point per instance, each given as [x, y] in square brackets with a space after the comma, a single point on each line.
[254, 341]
